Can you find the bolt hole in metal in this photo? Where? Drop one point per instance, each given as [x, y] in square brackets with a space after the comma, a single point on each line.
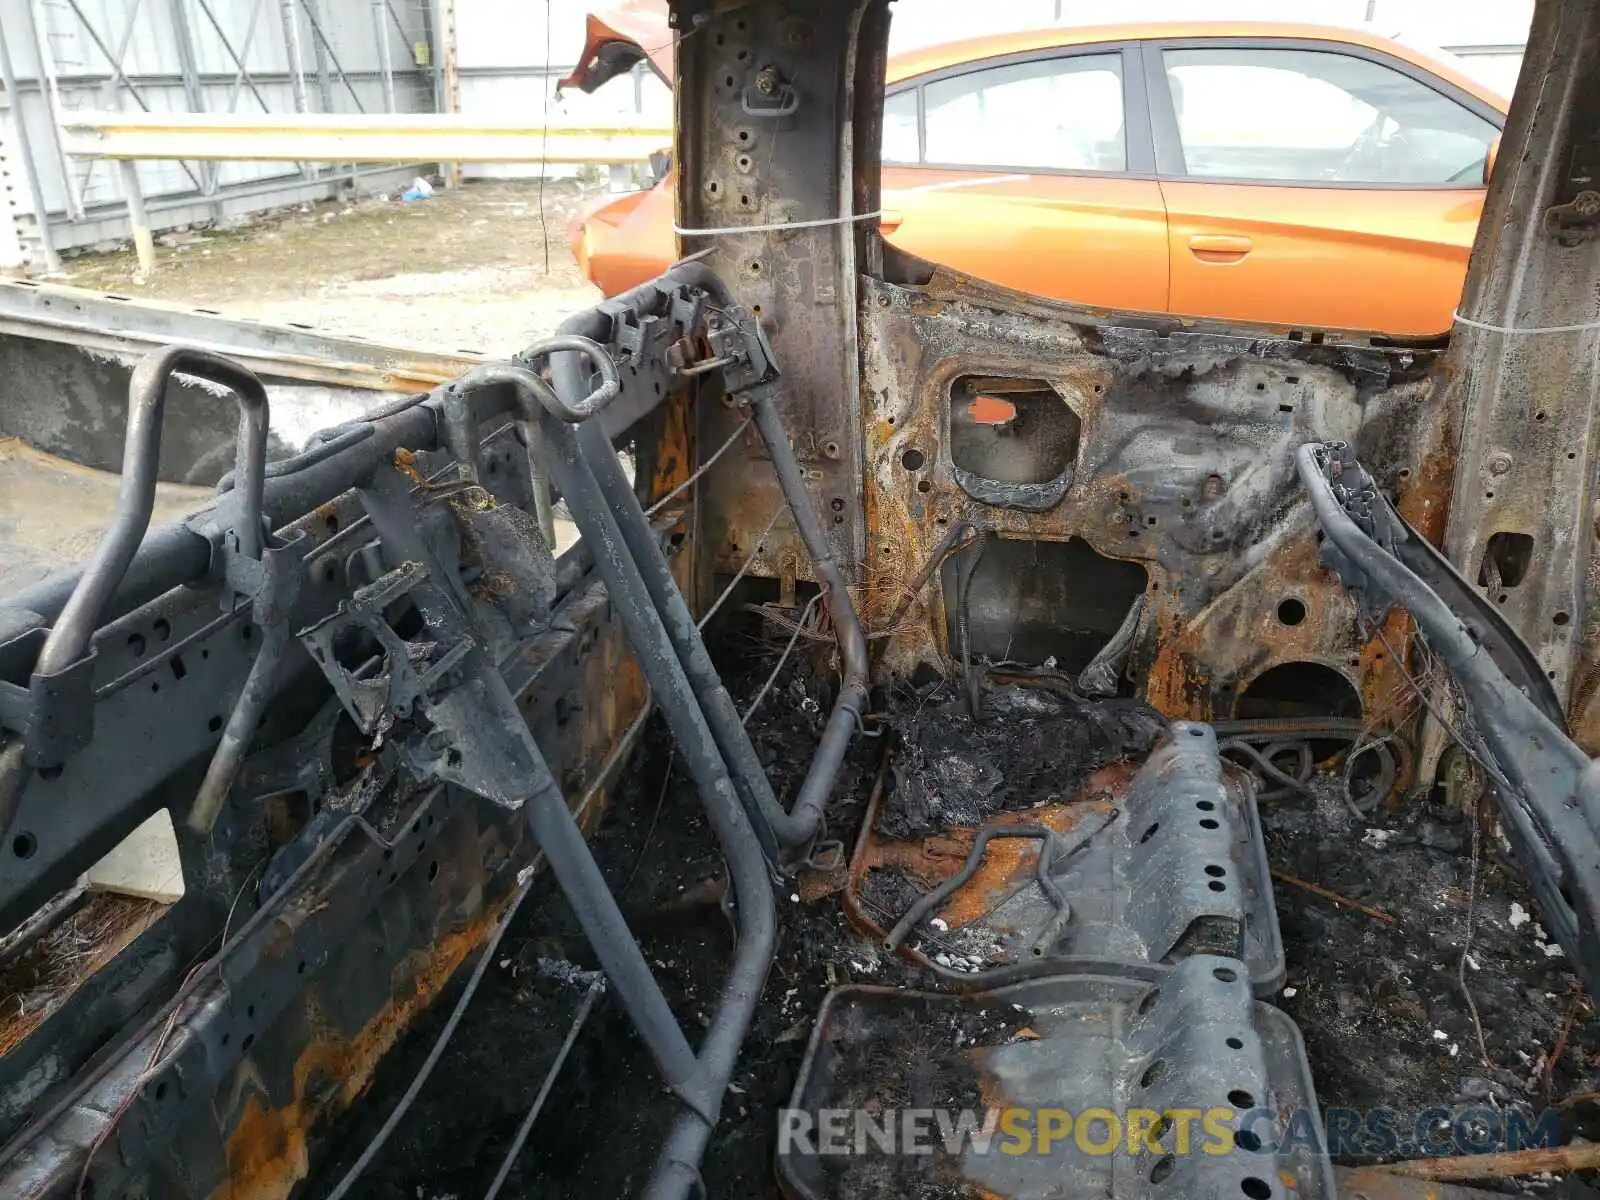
[1256, 1189]
[1291, 611]
[1561, 618]
[913, 460]
[1234, 1043]
[24, 845]
[1153, 1073]
[1163, 1168]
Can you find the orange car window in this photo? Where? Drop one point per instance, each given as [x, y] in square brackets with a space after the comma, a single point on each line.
[900, 143]
[1311, 116]
[1060, 114]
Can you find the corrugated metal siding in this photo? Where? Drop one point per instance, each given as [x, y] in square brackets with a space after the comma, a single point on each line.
[350, 80]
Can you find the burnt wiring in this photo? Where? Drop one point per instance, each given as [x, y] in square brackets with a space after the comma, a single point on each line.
[1054, 851]
[162, 1017]
[524, 887]
[799, 626]
[744, 568]
[597, 987]
[699, 471]
[485, 958]
[1264, 745]
[968, 569]
[955, 541]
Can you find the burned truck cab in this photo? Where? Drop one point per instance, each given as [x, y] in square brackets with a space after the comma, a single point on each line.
[1005, 669]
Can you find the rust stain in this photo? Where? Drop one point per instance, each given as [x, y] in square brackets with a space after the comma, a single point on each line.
[267, 1150]
[405, 461]
[1007, 862]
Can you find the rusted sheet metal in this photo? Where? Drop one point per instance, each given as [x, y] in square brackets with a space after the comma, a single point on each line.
[251, 1132]
[1007, 863]
[741, 162]
[268, 1150]
[1522, 365]
[1183, 466]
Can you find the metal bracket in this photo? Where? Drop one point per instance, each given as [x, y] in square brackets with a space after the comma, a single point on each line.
[380, 689]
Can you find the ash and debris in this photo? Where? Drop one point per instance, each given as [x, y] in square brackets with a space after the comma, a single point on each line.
[1386, 1020]
[1032, 747]
[887, 894]
[1384, 1017]
[912, 1053]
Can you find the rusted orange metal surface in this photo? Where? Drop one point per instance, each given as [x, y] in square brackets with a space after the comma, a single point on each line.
[268, 1143]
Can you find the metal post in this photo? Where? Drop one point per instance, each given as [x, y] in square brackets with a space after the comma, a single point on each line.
[430, 39]
[52, 91]
[193, 92]
[319, 54]
[41, 219]
[380, 33]
[289, 11]
[138, 219]
[291, 42]
[452, 77]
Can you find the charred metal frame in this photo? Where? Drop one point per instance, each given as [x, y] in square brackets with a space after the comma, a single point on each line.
[409, 567]
[506, 730]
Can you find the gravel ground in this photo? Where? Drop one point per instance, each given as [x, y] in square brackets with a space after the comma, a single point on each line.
[473, 268]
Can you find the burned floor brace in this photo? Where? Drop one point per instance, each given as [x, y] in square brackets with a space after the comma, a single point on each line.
[414, 573]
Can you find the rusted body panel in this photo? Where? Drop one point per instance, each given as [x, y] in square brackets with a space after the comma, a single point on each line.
[1183, 467]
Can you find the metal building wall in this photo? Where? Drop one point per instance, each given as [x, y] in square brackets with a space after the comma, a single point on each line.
[201, 56]
[511, 58]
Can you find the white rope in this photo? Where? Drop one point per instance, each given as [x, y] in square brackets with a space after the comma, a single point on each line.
[1488, 328]
[776, 226]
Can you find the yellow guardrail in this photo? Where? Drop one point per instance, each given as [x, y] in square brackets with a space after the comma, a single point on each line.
[344, 138]
[337, 137]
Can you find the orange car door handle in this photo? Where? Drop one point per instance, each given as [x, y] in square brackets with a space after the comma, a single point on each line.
[889, 219]
[1219, 247]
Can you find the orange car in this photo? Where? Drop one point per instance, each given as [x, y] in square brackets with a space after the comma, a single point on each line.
[1291, 175]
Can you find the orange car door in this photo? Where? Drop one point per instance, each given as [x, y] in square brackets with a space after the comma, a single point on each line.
[1315, 184]
[1034, 173]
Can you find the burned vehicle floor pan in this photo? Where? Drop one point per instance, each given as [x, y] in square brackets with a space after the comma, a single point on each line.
[1019, 872]
[1087, 1085]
